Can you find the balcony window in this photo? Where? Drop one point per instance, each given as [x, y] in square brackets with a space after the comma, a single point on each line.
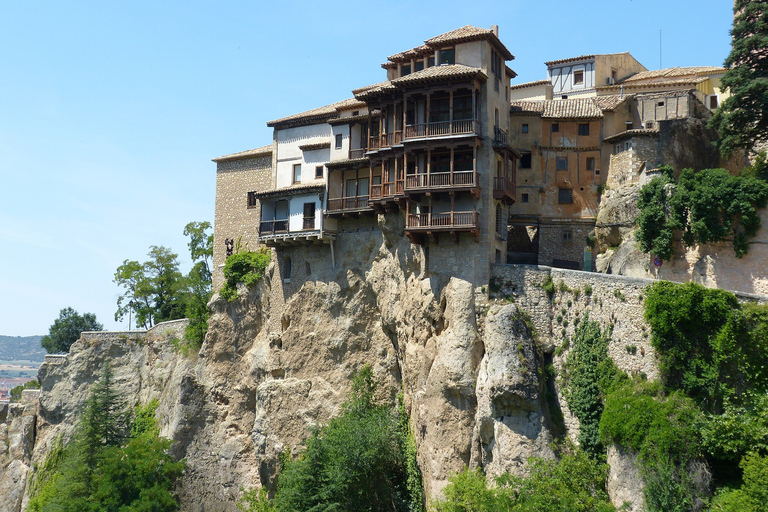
[462, 107]
[297, 173]
[309, 216]
[448, 56]
[439, 109]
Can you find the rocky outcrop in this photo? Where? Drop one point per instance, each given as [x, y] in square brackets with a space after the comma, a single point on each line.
[17, 441]
[625, 484]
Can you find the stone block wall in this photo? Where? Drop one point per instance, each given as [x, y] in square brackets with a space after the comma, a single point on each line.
[233, 219]
[563, 240]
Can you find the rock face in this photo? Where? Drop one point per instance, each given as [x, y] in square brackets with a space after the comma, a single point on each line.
[277, 361]
[17, 440]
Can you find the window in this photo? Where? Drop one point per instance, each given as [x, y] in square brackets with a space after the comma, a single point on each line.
[567, 235]
[297, 173]
[319, 171]
[565, 196]
[583, 128]
[525, 161]
[590, 163]
[339, 137]
[448, 56]
[406, 70]
[524, 198]
[614, 75]
[309, 216]
[564, 97]
[430, 62]
[355, 113]
[524, 129]
[555, 127]
[418, 66]
[252, 201]
[578, 77]
[287, 270]
[562, 163]
[713, 102]
[499, 218]
[660, 104]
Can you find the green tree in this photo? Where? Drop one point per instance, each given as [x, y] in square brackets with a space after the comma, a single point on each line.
[155, 291]
[198, 281]
[67, 329]
[742, 119]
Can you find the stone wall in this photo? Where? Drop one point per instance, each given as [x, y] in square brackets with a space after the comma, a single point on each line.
[564, 240]
[233, 219]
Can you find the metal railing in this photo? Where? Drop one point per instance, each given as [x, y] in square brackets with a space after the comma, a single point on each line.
[499, 136]
[347, 203]
[270, 227]
[466, 219]
[442, 128]
[441, 180]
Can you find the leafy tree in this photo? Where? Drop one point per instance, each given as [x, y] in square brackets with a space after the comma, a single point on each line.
[67, 329]
[753, 494]
[154, 290]
[16, 391]
[199, 281]
[742, 119]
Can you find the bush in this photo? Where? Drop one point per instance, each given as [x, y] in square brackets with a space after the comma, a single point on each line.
[753, 494]
[16, 391]
[243, 267]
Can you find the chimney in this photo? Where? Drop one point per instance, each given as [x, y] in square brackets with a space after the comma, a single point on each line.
[495, 30]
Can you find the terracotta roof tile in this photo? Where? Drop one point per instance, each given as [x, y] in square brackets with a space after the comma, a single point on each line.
[262, 151]
[326, 112]
[610, 102]
[649, 132]
[313, 147]
[460, 35]
[675, 73]
[529, 84]
[577, 108]
[290, 191]
[438, 72]
[570, 59]
[527, 107]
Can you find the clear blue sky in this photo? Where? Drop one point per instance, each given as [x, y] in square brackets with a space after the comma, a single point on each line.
[111, 111]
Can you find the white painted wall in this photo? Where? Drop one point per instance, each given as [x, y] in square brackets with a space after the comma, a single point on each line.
[288, 152]
[296, 219]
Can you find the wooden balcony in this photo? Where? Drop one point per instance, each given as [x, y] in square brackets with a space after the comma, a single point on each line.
[385, 140]
[465, 180]
[504, 189]
[347, 205]
[308, 224]
[442, 129]
[431, 224]
[272, 227]
[354, 154]
[387, 190]
[500, 137]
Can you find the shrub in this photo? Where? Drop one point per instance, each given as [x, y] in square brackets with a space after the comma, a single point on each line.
[243, 267]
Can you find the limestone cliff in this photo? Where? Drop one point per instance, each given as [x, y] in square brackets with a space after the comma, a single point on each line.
[277, 362]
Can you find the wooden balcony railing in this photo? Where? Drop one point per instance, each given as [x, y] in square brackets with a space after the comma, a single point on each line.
[270, 227]
[445, 220]
[503, 186]
[309, 223]
[356, 153]
[499, 136]
[387, 189]
[347, 203]
[441, 180]
[385, 140]
[441, 129]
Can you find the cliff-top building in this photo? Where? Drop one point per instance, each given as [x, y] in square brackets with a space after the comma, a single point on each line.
[427, 148]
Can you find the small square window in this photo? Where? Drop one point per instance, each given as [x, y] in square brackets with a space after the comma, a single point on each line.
[564, 97]
[562, 163]
[578, 77]
[319, 171]
[565, 196]
[567, 235]
[583, 128]
[297, 173]
[356, 113]
[525, 128]
[338, 140]
[524, 198]
[660, 104]
[555, 127]
[448, 56]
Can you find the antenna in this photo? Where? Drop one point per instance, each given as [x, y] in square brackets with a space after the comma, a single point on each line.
[660, 49]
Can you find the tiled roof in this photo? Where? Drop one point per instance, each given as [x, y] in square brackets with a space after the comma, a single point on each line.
[318, 114]
[262, 151]
[653, 83]
[440, 72]
[529, 84]
[648, 132]
[312, 147]
[350, 119]
[510, 72]
[349, 162]
[460, 35]
[570, 59]
[572, 109]
[577, 108]
[675, 73]
[527, 107]
[290, 191]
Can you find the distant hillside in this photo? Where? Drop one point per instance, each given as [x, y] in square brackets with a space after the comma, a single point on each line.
[14, 348]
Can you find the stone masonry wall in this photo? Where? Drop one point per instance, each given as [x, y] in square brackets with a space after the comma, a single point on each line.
[563, 241]
[233, 219]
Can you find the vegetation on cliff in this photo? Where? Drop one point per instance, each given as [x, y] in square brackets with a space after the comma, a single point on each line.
[67, 328]
[701, 207]
[362, 460]
[243, 267]
[112, 462]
